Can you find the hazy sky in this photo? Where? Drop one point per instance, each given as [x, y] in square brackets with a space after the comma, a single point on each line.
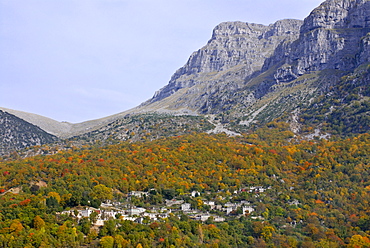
[76, 60]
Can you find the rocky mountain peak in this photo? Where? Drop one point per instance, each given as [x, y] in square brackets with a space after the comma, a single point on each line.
[331, 37]
[247, 74]
[233, 45]
[287, 27]
[227, 29]
[244, 63]
[339, 14]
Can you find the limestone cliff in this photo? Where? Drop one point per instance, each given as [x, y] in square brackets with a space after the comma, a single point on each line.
[235, 51]
[249, 74]
[245, 67]
[333, 36]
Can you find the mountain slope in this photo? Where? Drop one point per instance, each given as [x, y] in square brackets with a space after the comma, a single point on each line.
[142, 127]
[16, 134]
[333, 41]
[345, 109]
[48, 125]
[309, 72]
[64, 129]
[235, 51]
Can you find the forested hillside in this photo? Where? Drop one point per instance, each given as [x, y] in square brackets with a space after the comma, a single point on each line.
[317, 192]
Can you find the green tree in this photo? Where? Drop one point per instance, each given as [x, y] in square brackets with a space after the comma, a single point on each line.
[120, 242]
[52, 203]
[101, 192]
[107, 242]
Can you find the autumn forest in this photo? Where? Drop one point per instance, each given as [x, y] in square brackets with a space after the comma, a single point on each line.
[318, 192]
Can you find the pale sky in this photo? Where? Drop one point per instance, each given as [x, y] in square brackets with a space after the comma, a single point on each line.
[77, 60]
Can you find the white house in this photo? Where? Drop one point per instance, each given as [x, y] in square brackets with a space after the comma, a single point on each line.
[210, 203]
[247, 208]
[203, 217]
[218, 219]
[229, 210]
[185, 207]
[85, 213]
[152, 216]
[138, 193]
[218, 207]
[135, 211]
[106, 215]
[229, 204]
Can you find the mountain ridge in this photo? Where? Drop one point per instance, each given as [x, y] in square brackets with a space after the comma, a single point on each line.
[17, 134]
[296, 172]
[250, 74]
[235, 47]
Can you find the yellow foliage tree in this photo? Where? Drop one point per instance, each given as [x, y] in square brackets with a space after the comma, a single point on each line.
[38, 222]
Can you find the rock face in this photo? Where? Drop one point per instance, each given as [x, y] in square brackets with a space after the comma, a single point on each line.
[244, 63]
[236, 50]
[364, 56]
[16, 134]
[246, 74]
[333, 36]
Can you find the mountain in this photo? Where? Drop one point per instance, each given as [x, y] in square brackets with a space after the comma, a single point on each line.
[63, 129]
[282, 90]
[252, 74]
[313, 74]
[16, 134]
[48, 125]
[235, 51]
[333, 36]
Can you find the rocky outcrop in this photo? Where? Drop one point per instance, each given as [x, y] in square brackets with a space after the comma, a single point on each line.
[364, 56]
[247, 67]
[333, 14]
[16, 134]
[246, 74]
[333, 36]
[236, 50]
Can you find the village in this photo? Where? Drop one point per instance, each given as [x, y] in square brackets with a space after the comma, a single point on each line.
[144, 215]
